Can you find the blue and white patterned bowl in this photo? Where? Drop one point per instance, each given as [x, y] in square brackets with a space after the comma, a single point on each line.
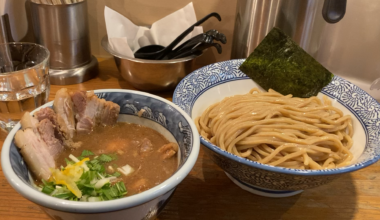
[212, 83]
[161, 115]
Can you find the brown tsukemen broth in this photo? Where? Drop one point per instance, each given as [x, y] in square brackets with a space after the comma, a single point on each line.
[130, 142]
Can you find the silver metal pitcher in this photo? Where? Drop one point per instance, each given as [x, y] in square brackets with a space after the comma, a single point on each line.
[64, 30]
[349, 48]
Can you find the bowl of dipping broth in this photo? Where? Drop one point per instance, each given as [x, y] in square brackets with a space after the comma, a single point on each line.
[146, 113]
[273, 158]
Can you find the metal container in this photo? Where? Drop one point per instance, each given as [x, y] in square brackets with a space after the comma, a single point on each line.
[151, 75]
[63, 29]
[349, 48]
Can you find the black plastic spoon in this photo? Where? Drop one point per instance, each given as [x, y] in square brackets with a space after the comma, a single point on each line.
[149, 49]
[207, 37]
[198, 49]
[164, 51]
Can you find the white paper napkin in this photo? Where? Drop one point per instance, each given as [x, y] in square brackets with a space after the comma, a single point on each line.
[125, 38]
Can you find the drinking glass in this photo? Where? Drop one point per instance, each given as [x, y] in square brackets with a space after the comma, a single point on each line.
[24, 80]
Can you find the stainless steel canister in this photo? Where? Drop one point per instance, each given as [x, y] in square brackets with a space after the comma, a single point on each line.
[349, 48]
[304, 20]
[63, 29]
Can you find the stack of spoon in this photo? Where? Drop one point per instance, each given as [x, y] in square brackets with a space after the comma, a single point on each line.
[193, 46]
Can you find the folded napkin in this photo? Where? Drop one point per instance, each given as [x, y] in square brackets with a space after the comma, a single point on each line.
[125, 38]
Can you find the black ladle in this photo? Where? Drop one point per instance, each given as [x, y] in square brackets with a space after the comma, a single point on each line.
[157, 55]
[207, 37]
[189, 44]
[149, 49]
[198, 49]
[217, 35]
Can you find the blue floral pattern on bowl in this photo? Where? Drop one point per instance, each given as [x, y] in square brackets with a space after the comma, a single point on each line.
[362, 105]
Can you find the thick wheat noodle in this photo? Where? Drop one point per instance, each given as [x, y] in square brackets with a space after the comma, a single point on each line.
[267, 127]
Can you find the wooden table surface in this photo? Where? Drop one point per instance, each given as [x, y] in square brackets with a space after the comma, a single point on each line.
[207, 193]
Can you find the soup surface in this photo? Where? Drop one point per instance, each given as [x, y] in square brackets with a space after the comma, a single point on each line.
[131, 144]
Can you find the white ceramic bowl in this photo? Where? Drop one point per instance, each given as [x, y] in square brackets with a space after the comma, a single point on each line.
[212, 83]
[161, 115]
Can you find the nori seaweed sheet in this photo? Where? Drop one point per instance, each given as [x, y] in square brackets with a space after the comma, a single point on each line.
[279, 63]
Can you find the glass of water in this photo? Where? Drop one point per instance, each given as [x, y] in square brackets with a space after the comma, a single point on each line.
[24, 80]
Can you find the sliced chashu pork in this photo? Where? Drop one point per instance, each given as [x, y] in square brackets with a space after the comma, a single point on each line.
[110, 113]
[91, 111]
[56, 135]
[48, 113]
[63, 107]
[45, 130]
[37, 154]
[42, 138]
[28, 121]
[86, 109]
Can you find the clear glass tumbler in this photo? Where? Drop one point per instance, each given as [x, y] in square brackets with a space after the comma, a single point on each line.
[24, 80]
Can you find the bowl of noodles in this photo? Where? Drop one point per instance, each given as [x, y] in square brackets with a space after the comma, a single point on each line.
[275, 145]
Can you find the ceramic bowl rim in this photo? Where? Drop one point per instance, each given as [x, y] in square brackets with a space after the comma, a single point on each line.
[271, 168]
[38, 197]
